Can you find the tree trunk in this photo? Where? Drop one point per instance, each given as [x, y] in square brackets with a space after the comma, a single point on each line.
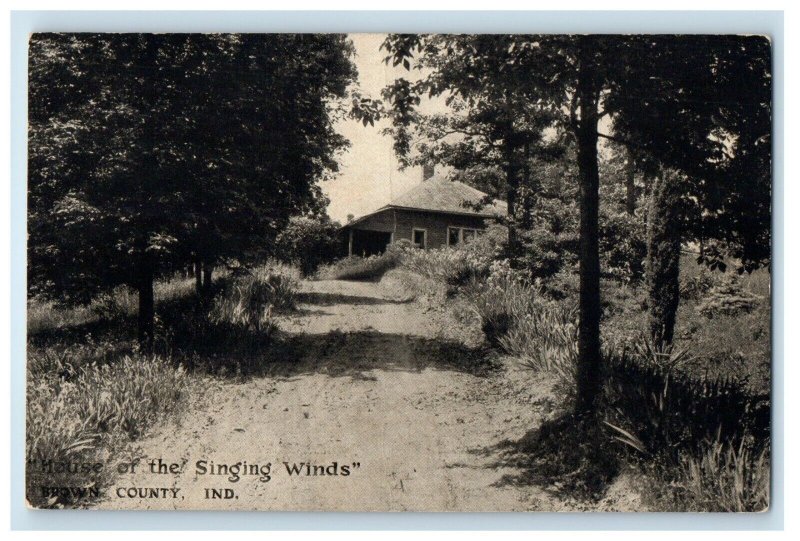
[529, 191]
[589, 373]
[512, 185]
[208, 270]
[146, 314]
[630, 186]
[663, 260]
[198, 277]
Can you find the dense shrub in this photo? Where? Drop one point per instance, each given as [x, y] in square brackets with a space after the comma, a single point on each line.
[693, 286]
[459, 265]
[550, 242]
[451, 266]
[732, 347]
[308, 242]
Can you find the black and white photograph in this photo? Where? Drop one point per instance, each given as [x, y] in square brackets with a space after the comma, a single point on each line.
[399, 272]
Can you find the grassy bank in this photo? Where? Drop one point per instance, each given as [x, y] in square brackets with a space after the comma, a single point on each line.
[91, 391]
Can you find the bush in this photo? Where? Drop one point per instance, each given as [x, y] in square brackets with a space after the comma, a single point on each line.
[452, 267]
[248, 301]
[499, 300]
[622, 246]
[308, 242]
[728, 298]
[694, 286]
[84, 420]
[550, 244]
[459, 265]
[732, 347]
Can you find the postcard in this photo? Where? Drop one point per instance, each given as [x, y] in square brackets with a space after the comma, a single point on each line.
[399, 272]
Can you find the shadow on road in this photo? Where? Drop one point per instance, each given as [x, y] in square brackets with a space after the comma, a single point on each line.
[352, 354]
[564, 456]
[331, 299]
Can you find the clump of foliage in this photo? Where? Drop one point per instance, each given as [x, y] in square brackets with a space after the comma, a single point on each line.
[308, 242]
[728, 298]
[545, 340]
[499, 300]
[727, 477]
[622, 246]
[694, 286]
[248, 301]
[458, 265]
[89, 415]
[716, 462]
[516, 317]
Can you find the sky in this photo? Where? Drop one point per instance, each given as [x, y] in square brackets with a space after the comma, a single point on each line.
[369, 175]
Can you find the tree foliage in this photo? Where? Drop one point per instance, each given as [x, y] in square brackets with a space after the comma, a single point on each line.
[148, 152]
[308, 242]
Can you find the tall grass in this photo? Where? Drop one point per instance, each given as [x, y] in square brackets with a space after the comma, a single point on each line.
[359, 268]
[121, 302]
[724, 477]
[86, 418]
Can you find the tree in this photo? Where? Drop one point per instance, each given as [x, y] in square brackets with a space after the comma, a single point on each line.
[663, 258]
[702, 105]
[151, 152]
[497, 123]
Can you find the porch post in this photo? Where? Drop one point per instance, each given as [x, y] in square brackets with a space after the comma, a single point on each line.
[350, 244]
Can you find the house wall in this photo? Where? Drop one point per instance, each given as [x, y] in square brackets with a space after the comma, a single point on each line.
[401, 224]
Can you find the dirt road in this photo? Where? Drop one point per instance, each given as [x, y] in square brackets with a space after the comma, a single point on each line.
[383, 386]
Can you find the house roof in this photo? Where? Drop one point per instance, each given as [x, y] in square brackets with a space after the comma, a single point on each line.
[439, 194]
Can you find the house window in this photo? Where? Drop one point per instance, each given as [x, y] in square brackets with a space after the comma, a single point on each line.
[420, 237]
[457, 235]
[453, 236]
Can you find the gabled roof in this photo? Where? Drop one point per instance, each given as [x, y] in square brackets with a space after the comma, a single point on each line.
[446, 196]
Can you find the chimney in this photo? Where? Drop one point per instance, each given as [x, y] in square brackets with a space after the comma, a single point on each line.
[427, 171]
[350, 218]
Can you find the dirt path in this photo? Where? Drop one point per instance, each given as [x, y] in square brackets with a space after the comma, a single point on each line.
[380, 382]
